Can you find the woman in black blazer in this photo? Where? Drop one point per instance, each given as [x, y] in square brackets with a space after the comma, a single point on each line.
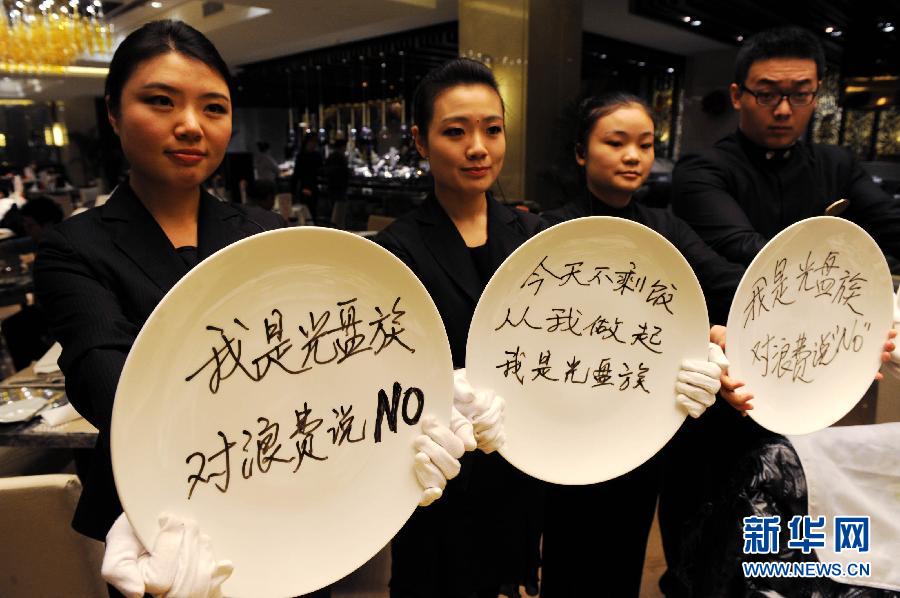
[475, 539]
[100, 274]
[614, 146]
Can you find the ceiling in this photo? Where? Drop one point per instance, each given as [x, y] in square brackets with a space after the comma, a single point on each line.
[614, 18]
[251, 31]
[254, 31]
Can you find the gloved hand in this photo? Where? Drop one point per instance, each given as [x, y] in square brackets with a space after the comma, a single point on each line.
[483, 408]
[437, 457]
[893, 364]
[181, 564]
[698, 381]
[463, 429]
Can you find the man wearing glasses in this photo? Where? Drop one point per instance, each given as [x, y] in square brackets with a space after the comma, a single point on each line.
[764, 177]
[737, 195]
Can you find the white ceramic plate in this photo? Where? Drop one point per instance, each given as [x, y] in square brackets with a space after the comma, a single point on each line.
[584, 427]
[20, 411]
[808, 322]
[287, 533]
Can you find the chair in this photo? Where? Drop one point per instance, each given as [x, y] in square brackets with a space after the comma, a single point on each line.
[377, 223]
[42, 556]
[304, 217]
[87, 196]
[283, 205]
[339, 213]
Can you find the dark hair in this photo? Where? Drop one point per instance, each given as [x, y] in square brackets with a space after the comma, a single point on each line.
[780, 42]
[459, 71]
[594, 108]
[155, 39]
[42, 210]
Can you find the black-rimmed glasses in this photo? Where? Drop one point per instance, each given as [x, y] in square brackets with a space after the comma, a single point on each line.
[773, 98]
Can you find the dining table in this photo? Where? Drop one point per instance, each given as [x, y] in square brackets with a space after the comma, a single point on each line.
[75, 434]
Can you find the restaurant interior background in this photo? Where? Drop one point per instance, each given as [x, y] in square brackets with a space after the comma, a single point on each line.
[344, 71]
[347, 69]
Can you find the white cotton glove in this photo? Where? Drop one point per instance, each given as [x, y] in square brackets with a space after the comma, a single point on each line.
[181, 564]
[437, 458]
[483, 408]
[463, 429]
[698, 381]
[893, 366]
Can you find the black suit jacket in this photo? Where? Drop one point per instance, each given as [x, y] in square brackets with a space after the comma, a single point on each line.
[434, 555]
[718, 277]
[98, 277]
[738, 195]
[427, 241]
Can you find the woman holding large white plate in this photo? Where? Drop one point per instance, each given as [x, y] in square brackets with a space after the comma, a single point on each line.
[614, 144]
[100, 274]
[468, 544]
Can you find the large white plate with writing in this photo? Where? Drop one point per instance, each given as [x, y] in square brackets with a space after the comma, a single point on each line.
[312, 354]
[808, 323]
[582, 331]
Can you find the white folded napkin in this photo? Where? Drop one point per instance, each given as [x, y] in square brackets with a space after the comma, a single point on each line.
[59, 415]
[47, 364]
[855, 471]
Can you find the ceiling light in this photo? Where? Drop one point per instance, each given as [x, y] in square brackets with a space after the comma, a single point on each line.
[696, 23]
[49, 39]
[740, 38]
[829, 29]
[686, 19]
[156, 4]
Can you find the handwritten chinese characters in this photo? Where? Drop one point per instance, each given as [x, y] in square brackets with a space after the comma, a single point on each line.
[596, 334]
[329, 336]
[798, 358]
[574, 371]
[263, 447]
[819, 277]
[622, 281]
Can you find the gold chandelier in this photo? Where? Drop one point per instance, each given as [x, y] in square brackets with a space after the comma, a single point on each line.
[47, 36]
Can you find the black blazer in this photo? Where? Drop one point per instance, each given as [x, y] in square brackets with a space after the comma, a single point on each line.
[433, 555]
[718, 277]
[427, 241]
[98, 276]
[738, 195]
